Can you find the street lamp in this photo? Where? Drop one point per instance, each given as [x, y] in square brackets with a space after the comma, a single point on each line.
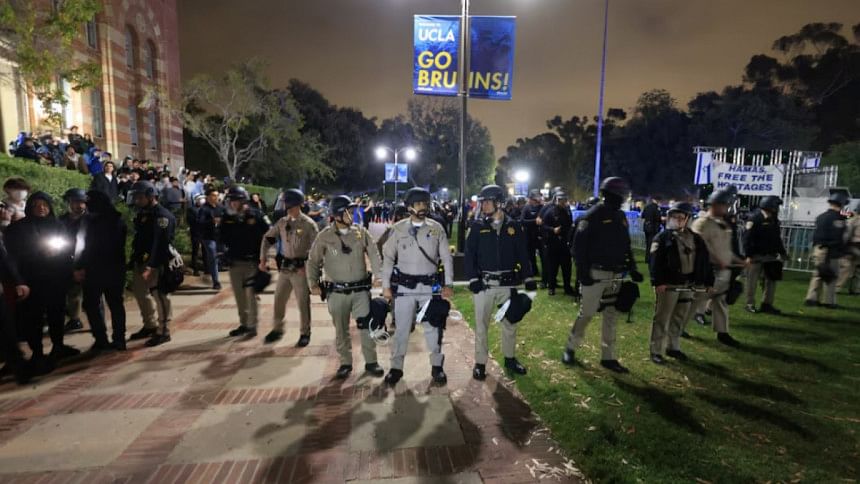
[408, 152]
[522, 176]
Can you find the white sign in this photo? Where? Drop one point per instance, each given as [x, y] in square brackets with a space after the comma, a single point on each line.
[749, 180]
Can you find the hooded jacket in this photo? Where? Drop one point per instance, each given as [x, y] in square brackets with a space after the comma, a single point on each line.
[41, 245]
[103, 256]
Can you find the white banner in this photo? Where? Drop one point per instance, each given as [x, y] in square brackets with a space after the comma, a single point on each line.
[749, 180]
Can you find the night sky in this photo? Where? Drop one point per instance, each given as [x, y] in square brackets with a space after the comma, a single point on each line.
[358, 52]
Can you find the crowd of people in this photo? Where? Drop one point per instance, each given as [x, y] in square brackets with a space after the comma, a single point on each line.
[55, 267]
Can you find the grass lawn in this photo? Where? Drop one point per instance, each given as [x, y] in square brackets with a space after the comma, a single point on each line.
[784, 407]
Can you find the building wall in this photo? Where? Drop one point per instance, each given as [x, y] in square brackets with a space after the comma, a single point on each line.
[151, 24]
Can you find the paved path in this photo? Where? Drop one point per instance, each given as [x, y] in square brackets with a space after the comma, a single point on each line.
[206, 408]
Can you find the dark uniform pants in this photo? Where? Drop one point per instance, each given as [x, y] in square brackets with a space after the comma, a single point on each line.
[113, 294]
[44, 300]
[556, 255]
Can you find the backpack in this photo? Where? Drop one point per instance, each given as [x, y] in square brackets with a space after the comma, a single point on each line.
[172, 275]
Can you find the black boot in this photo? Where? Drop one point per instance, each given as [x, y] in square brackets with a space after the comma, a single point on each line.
[61, 352]
[614, 365]
[274, 335]
[769, 309]
[515, 366]
[304, 340]
[568, 357]
[158, 339]
[374, 369]
[343, 372]
[73, 325]
[143, 334]
[241, 330]
[658, 359]
[677, 354]
[727, 340]
[394, 375]
[439, 375]
[479, 372]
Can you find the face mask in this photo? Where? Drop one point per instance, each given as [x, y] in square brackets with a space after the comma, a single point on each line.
[418, 224]
[343, 231]
[18, 195]
[673, 224]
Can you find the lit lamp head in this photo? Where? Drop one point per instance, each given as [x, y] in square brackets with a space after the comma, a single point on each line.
[381, 153]
[410, 154]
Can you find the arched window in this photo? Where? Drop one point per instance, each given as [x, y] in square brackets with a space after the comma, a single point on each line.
[149, 59]
[98, 115]
[130, 44]
[92, 33]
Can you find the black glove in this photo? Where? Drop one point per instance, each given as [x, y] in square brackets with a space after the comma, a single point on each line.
[584, 276]
[636, 276]
[476, 286]
[531, 285]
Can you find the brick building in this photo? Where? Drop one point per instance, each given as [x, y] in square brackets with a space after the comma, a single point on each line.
[137, 44]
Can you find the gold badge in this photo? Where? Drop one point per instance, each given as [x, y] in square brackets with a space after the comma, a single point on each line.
[511, 231]
[163, 222]
[298, 231]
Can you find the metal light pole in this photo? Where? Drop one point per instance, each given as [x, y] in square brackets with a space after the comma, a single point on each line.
[464, 97]
[382, 154]
[599, 147]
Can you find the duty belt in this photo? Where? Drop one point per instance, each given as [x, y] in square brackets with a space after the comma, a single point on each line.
[504, 278]
[293, 264]
[350, 287]
[411, 281]
[609, 268]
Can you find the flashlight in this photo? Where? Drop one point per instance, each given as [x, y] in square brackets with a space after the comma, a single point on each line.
[57, 243]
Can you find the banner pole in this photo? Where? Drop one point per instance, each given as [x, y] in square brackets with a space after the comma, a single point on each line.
[599, 146]
[464, 96]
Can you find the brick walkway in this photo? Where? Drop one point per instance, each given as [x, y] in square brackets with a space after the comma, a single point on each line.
[206, 408]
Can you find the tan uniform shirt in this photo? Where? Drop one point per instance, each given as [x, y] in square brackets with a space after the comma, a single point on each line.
[852, 230]
[401, 250]
[686, 250]
[297, 236]
[717, 236]
[327, 254]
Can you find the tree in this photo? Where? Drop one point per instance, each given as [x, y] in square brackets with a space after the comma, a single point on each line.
[847, 157]
[347, 135]
[39, 41]
[236, 114]
[821, 67]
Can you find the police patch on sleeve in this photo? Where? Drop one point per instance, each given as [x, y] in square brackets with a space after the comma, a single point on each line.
[749, 225]
[163, 222]
[582, 226]
[512, 231]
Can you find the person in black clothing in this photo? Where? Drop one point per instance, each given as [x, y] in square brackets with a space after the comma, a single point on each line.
[528, 219]
[40, 244]
[209, 219]
[107, 181]
[496, 260]
[603, 256]
[555, 231]
[154, 229]
[76, 199]
[101, 269]
[191, 214]
[652, 221]
[679, 262]
[764, 248]
[241, 232]
[10, 278]
[828, 242]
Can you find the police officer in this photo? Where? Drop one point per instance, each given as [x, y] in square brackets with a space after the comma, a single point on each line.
[717, 233]
[496, 260]
[208, 220]
[555, 232]
[191, 213]
[154, 229]
[411, 265]
[528, 219]
[342, 249]
[652, 220]
[848, 265]
[241, 233]
[679, 262]
[828, 242]
[400, 213]
[76, 202]
[603, 256]
[763, 247]
[294, 233]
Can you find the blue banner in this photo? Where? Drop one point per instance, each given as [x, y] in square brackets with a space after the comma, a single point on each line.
[436, 42]
[402, 173]
[492, 57]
